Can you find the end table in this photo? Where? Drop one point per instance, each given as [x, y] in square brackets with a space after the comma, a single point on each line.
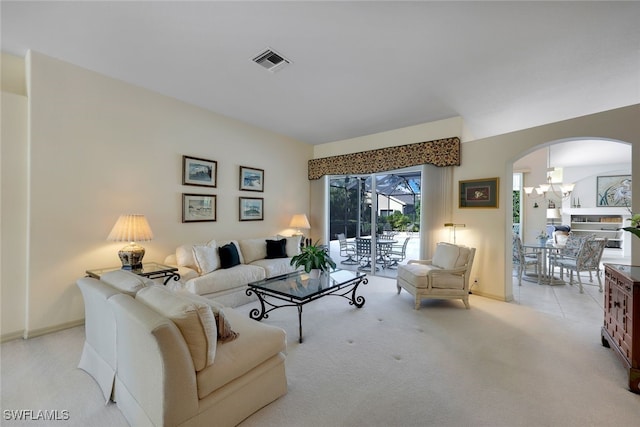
[151, 270]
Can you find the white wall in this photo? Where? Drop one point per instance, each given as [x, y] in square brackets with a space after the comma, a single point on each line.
[99, 148]
[13, 221]
[489, 230]
[495, 156]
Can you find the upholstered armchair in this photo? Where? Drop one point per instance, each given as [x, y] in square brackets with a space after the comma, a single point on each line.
[445, 276]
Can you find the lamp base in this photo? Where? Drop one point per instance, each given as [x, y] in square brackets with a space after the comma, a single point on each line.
[131, 256]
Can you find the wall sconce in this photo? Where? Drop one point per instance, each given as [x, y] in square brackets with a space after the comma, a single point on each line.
[454, 226]
[131, 228]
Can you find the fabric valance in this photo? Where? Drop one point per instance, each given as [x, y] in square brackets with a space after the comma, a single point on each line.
[440, 152]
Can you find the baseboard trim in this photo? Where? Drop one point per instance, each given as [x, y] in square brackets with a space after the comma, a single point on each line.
[11, 336]
[43, 331]
[487, 295]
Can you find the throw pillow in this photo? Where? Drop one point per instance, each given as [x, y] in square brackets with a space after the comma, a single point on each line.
[293, 244]
[276, 248]
[195, 320]
[206, 257]
[446, 256]
[225, 333]
[125, 281]
[228, 256]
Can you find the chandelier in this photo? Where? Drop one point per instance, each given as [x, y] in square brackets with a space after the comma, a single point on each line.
[554, 183]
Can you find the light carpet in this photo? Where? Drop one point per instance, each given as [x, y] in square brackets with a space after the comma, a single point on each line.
[386, 364]
[496, 364]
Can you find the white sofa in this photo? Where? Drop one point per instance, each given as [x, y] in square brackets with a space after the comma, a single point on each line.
[203, 272]
[169, 359]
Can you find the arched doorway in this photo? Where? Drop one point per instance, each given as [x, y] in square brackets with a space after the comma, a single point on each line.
[584, 162]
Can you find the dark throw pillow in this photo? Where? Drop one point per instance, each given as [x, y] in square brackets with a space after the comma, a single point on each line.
[228, 255]
[276, 248]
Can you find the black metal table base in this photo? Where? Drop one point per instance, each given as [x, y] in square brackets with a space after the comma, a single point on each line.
[347, 291]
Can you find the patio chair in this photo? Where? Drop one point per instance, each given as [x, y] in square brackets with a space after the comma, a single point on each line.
[588, 259]
[363, 252]
[397, 254]
[521, 259]
[347, 250]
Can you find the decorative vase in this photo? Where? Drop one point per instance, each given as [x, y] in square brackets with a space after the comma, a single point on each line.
[315, 273]
[542, 241]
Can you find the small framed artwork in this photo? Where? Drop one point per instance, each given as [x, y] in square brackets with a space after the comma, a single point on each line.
[614, 190]
[200, 172]
[198, 207]
[251, 208]
[251, 179]
[479, 193]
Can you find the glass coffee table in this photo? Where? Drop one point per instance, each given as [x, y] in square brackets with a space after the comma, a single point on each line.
[297, 289]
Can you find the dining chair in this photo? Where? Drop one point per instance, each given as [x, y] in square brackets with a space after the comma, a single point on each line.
[587, 259]
[521, 259]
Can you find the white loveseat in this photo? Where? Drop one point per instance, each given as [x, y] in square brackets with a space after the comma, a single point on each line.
[203, 272]
[170, 359]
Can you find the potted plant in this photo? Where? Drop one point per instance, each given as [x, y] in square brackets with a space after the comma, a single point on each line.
[635, 225]
[313, 257]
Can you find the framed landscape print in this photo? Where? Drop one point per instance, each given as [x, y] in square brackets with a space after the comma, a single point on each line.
[251, 208]
[251, 179]
[200, 172]
[614, 190]
[479, 193]
[198, 207]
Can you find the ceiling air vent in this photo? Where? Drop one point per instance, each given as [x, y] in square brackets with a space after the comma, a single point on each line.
[271, 60]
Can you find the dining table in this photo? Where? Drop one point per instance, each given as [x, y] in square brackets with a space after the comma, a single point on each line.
[383, 246]
[546, 253]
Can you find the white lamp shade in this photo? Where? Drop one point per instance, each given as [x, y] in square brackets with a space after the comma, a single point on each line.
[131, 228]
[299, 221]
[553, 213]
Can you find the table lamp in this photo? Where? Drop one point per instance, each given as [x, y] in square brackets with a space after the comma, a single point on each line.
[299, 221]
[131, 228]
[553, 214]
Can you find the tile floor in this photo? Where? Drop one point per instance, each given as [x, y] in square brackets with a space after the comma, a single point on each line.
[566, 300]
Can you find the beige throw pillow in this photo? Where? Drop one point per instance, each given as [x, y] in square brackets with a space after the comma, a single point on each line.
[225, 333]
[195, 320]
[446, 256]
[293, 245]
[206, 257]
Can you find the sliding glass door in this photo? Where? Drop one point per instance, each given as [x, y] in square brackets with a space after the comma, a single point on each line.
[374, 220]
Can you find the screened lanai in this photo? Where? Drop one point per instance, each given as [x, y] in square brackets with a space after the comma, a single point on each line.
[397, 201]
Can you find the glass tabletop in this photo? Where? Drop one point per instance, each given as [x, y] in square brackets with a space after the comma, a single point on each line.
[147, 268]
[300, 286]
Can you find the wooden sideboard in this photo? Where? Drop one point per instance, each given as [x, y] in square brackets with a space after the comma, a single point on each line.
[621, 330]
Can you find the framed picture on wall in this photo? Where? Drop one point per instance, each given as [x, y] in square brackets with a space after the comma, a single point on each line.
[251, 179]
[251, 209]
[614, 190]
[200, 172]
[198, 207]
[479, 193]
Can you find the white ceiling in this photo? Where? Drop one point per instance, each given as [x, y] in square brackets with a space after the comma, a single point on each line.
[358, 67]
